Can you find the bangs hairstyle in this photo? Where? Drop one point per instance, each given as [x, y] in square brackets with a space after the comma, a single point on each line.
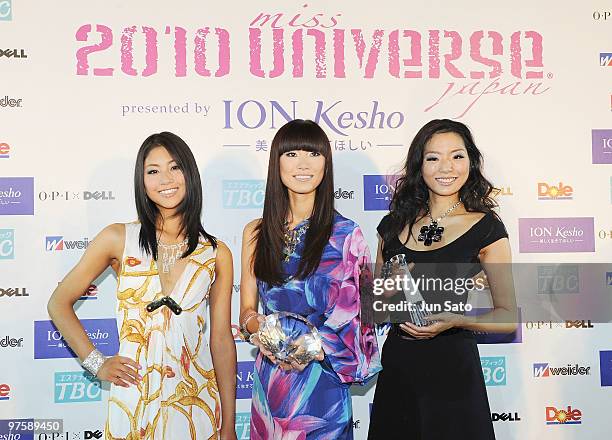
[296, 135]
[411, 198]
[189, 210]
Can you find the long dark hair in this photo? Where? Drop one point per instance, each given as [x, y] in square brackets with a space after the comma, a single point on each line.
[190, 209]
[295, 135]
[411, 197]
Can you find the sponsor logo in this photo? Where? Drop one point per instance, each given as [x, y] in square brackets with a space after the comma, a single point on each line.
[333, 116]
[76, 387]
[132, 261]
[545, 370]
[243, 426]
[605, 59]
[49, 343]
[558, 279]
[578, 323]
[503, 191]
[5, 391]
[505, 417]
[567, 416]
[570, 234]
[554, 192]
[6, 10]
[236, 333]
[7, 244]
[16, 196]
[609, 279]
[602, 145]
[378, 191]
[13, 53]
[605, 367]
[244, 382]
[57, 243]
[10, 102]
[343, 194]
[88, 435]
[90, 293]
[243, 194]
[494, 370]
[13, 291]
[357, 424]
[44, 196]
[602, 15]
[5, 150]
[8, 342]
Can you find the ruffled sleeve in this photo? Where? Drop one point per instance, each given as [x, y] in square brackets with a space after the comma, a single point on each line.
[350, 345]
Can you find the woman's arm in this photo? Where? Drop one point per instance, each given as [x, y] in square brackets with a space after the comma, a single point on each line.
[222, 345]
[248, 283]
[105, 250]
[496, 261]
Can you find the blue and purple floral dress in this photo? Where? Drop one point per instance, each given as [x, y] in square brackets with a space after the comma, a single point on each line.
[316, 402]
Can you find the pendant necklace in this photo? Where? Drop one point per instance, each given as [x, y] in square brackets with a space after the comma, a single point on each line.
[169, 253]
[433, 232]
[292, 237]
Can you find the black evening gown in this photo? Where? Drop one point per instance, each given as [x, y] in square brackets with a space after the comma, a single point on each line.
[433, 389]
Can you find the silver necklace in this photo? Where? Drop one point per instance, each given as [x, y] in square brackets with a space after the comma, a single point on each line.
[432, 232]
[292, 238]
[170, 253]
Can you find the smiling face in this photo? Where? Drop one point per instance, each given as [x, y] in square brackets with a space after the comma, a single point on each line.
[446, 165]
[163, 179]
[302, 171]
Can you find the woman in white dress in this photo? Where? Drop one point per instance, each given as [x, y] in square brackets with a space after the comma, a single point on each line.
[168, 382]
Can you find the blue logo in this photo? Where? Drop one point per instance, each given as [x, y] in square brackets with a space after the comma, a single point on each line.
[243, 426]
[7, 244]
[605, 367]
[54, 243]
[605, 59]
[243, 194]
[494, 370]
[558, 279]
[6, 10]
[244, 379]
[49, 343]
[57, 243]
[541, 370]
[609, 279]
[378, 191]
[77, 386]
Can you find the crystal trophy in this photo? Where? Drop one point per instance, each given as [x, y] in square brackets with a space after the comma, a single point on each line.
[289, 337]
[417, 310]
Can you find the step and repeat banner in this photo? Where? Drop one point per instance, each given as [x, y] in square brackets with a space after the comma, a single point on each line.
[84, 83]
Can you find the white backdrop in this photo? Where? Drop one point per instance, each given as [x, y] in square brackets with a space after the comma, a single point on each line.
[84, 83]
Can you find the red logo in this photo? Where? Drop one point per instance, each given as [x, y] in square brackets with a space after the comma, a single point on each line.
[90, 293]
[4, 391]
[568, 416]
[132, 261]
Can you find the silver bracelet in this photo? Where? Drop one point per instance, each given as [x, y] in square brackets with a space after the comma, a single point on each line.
[94, 361]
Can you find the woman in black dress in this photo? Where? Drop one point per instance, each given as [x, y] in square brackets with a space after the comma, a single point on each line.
[431, 386]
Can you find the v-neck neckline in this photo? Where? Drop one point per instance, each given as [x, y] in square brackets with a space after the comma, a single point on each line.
[179, 280]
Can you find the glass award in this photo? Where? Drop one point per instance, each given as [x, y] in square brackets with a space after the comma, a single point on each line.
[395, 267]
[289, 337]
